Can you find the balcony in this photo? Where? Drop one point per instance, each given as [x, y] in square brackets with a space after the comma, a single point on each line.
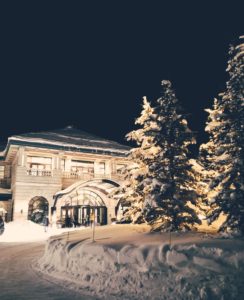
[90, 176]
[41, 173]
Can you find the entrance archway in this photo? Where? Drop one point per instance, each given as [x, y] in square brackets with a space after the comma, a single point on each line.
[79, 208]
[83, 199]
[38, 209]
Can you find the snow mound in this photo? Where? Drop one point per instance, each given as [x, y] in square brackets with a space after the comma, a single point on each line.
[27, 231]
[149, 271]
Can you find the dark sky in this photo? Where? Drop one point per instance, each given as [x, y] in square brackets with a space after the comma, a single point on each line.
[89, 63]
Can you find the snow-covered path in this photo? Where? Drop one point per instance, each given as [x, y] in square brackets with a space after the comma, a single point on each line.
[19, 281]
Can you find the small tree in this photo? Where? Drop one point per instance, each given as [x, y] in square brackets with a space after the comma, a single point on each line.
[224, 153]
[132, 192]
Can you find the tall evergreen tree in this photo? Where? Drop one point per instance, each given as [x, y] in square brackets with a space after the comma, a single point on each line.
[223, 155]
[170, 174]
[166, 184]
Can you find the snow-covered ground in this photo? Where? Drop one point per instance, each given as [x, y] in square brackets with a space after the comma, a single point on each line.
[18, 280]
[27, 231]
[127, 262]
[21, 245]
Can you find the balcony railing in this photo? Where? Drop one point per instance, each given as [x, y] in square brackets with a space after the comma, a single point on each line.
[41, 173]
[89, 176]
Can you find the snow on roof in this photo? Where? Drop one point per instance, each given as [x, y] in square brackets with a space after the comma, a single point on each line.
[70, 137]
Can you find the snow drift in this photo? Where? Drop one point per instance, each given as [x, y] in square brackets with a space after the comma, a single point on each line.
[212, 269]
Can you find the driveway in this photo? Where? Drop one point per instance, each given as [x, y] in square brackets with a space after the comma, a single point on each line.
[18, 280]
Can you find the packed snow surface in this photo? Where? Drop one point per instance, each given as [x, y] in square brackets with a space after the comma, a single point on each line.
[128, 262]
[27, 231]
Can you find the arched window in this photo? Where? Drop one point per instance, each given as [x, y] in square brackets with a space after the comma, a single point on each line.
[38, 209]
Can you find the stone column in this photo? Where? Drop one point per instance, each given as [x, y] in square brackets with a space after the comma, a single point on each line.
[68, 164]
[111, 204]
[21, 156]
[108, 169]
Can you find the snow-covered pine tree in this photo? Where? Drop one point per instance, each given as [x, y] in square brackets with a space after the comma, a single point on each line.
[223, 155]
[169, 181]
[200, 185]
[132, 191]
[161, 185]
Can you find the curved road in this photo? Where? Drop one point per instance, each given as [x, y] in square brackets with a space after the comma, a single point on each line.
[18, 280]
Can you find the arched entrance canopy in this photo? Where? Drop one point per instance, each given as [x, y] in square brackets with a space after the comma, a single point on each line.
[101, 187]
[83, 199]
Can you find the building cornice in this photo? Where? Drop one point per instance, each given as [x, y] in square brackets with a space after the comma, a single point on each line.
[77, 149]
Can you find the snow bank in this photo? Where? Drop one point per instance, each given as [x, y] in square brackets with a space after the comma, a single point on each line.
[27, 231]
[213, 270]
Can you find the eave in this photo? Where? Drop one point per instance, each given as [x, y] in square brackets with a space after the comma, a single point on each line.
[13, 145]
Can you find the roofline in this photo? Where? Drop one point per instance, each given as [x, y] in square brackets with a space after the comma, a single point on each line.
[80, 149]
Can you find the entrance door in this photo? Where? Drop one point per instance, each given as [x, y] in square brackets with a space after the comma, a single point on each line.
[81, 214]
[99, 212]
[102, 215]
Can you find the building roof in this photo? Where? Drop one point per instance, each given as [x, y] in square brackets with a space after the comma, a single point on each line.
[68, 138]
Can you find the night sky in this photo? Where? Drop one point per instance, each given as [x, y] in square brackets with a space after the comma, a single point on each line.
[89, 63]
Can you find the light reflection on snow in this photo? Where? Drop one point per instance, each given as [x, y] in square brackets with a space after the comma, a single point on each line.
[27, 231]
